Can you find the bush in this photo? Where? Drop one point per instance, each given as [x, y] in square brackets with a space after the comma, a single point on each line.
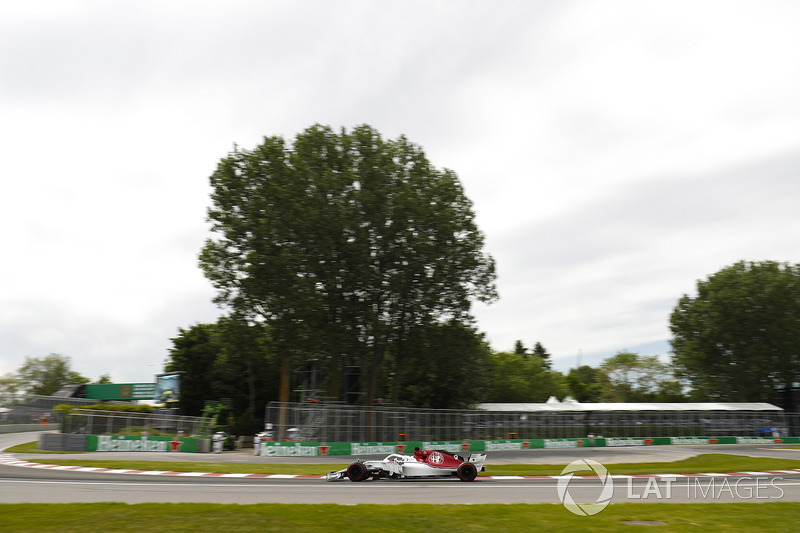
[65, 409]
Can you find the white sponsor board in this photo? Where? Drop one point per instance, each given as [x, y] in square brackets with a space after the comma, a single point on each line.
[689, 440]
[448, 447]
[270, 449]
[754, 440]
[492, 446]
[624, 442]
[357, 448]
[552, 443]
[108, 443]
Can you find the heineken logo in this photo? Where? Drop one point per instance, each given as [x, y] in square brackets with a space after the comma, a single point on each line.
[109, 443]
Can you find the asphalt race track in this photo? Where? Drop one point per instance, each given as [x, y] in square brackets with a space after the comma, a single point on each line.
[40, 485]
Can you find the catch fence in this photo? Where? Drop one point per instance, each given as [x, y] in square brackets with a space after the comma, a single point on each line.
[334, 422]
[94, 422]
[35, 409]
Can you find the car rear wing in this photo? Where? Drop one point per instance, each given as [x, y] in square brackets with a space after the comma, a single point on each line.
[477, 458]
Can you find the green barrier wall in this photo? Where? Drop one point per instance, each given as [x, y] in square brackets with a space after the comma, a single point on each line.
[288, 449]
[124, 443]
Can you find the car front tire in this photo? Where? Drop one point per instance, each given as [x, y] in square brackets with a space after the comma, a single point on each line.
[357, 472]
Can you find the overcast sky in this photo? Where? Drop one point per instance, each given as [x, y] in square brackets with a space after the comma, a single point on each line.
[616, 152]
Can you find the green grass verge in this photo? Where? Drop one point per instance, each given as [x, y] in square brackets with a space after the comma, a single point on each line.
[30, 447]
[221, 468]
[169, 517]
[706, 462]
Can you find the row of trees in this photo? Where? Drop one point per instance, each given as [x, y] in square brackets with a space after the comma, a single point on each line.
[445, 366]
[450, 366]
[44, 376]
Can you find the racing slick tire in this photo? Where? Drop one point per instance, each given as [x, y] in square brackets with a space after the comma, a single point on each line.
[357, 472]
[467, 472]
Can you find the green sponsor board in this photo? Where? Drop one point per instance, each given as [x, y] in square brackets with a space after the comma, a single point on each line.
[381, 448]
[506, 445]
[620, 441]
[297, 449]
[288, 449]
[121, 391]
[727, 440]
[501, 445]
[694, 441]
[764, 440]
[560, 443]
[126, 443]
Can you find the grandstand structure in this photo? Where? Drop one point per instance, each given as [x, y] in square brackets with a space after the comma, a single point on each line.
[645, 419]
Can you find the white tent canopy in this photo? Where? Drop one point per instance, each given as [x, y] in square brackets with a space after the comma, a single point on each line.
[570, 404]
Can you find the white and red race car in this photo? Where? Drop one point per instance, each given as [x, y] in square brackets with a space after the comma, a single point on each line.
[423, 464]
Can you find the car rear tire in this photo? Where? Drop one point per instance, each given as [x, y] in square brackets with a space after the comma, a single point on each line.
[357, 472]
[467, 472]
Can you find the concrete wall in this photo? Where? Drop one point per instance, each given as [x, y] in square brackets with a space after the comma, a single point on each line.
[64, 442]
[19, 428]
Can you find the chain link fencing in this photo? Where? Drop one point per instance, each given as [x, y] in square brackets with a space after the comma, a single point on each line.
[334, 422]
[95, 422]
[35, 409]
[338, 422]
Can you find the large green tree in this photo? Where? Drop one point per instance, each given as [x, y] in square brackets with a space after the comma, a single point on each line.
[447, 367]
[10, 387]
[514, 378]
[46, 375]
[542, 353]
[519, 348]
[738, 339]
[230, 359]
[585, 383]
[630, 377]
[343, 243]
[247, 369]
[195, 352]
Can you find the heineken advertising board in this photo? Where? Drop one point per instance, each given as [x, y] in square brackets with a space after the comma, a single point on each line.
[121, 391]
[295, 449]
[127, 443]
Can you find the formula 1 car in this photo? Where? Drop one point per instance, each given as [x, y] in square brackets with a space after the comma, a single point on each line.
[423, 464]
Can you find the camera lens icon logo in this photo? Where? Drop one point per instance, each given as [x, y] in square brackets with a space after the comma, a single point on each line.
[585, 509]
